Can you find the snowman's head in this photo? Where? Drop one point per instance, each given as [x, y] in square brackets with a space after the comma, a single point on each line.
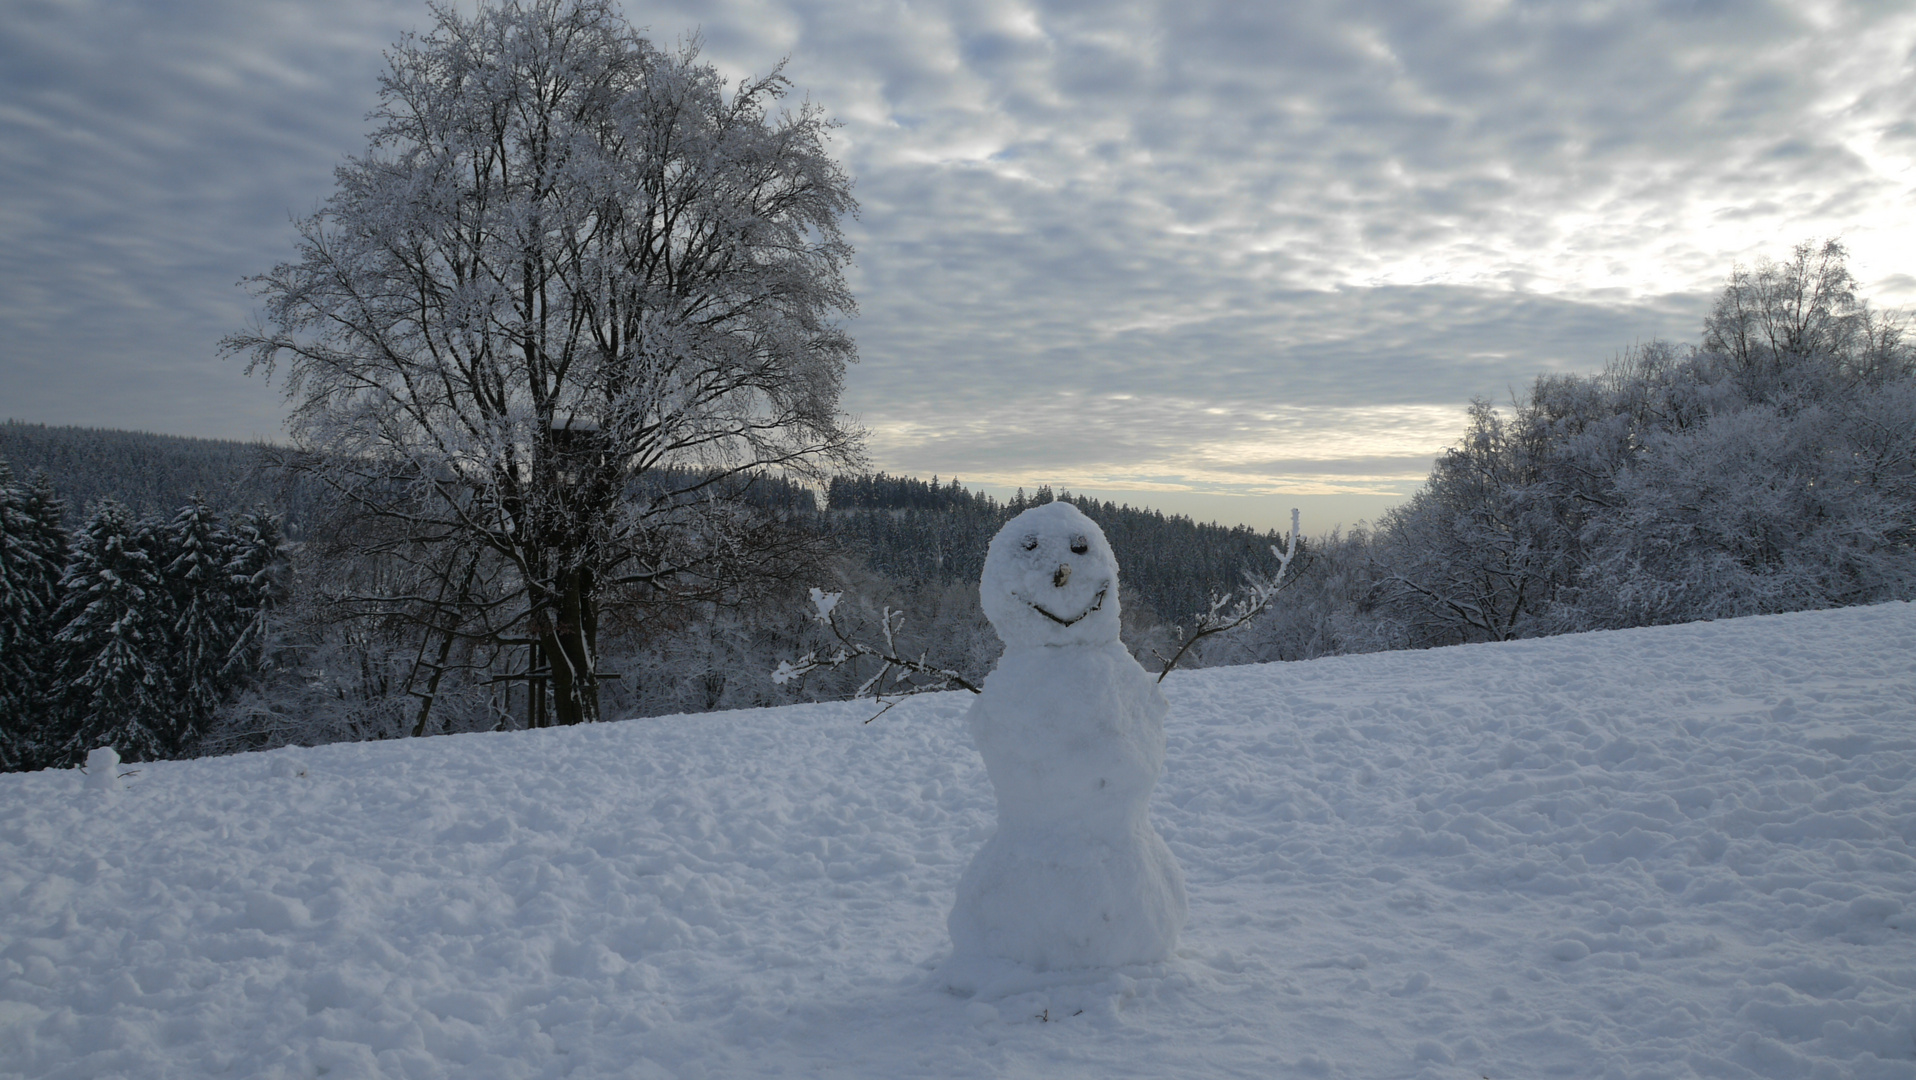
[1050, 579]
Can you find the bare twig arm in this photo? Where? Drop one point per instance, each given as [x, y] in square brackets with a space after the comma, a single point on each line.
[897, 675]
[1224, 615]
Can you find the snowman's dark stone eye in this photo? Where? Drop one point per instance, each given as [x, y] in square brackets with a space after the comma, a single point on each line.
[1079, 545]
[1031, 542]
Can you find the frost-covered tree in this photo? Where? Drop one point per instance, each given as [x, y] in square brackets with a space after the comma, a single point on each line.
[1772, 468]
[32, 558]
[575, 286]
[1477, 553]
[112, 676]
[1761, 510]
[1797, 327]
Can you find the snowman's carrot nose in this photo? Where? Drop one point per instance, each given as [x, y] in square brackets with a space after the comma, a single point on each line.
[1063, 575]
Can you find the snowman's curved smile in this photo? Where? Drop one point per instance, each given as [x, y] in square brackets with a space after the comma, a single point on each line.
[1096, 603]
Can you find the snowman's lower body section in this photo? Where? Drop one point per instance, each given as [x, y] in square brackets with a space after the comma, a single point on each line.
[1062, 899]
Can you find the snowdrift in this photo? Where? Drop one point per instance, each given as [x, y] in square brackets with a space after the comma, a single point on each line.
[1673, 852]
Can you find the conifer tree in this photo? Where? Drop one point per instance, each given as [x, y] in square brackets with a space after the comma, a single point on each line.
[254, 571]
[204, 619]
[16, 674]
[111, 679]
[32, 554]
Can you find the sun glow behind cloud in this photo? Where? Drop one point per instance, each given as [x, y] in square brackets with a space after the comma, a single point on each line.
[1168, 444]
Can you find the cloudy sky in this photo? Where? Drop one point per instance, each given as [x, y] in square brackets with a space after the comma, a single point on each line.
[1222, 257]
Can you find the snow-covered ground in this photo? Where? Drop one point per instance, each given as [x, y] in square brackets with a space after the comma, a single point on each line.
[1687, 851]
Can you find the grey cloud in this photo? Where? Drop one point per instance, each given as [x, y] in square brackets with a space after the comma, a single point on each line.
[1148, 394]
[150, 154]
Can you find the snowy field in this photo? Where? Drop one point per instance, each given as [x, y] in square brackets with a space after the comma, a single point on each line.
[1676, 852]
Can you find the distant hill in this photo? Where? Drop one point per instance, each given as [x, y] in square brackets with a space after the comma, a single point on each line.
[152, 474]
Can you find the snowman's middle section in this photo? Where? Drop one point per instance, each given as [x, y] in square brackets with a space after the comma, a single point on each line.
[1073, 739]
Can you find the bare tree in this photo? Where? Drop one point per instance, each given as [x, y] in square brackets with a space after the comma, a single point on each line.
[1779, 323]
[574, 289]
[1475, 554]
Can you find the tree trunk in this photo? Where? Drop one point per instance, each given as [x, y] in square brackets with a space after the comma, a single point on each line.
[445, 647]
[567, 637]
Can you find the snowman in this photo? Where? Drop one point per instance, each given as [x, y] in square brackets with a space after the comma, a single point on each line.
[1072, 733]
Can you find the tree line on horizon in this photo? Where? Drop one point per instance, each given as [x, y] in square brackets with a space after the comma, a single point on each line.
[914, 530]
[153, 475]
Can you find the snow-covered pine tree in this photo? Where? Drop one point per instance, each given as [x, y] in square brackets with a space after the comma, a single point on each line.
[111, 649]
[204, 620]
[32, 555]
[254, 572]
[17, 676]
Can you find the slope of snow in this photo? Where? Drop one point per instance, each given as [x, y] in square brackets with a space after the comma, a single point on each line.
[1675, 852]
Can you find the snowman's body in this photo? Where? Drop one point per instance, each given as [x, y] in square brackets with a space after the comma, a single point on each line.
[1072, 733]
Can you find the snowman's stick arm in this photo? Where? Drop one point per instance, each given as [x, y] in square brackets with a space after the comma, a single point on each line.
[890, 657]
[894, 668]
[1259, 592]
